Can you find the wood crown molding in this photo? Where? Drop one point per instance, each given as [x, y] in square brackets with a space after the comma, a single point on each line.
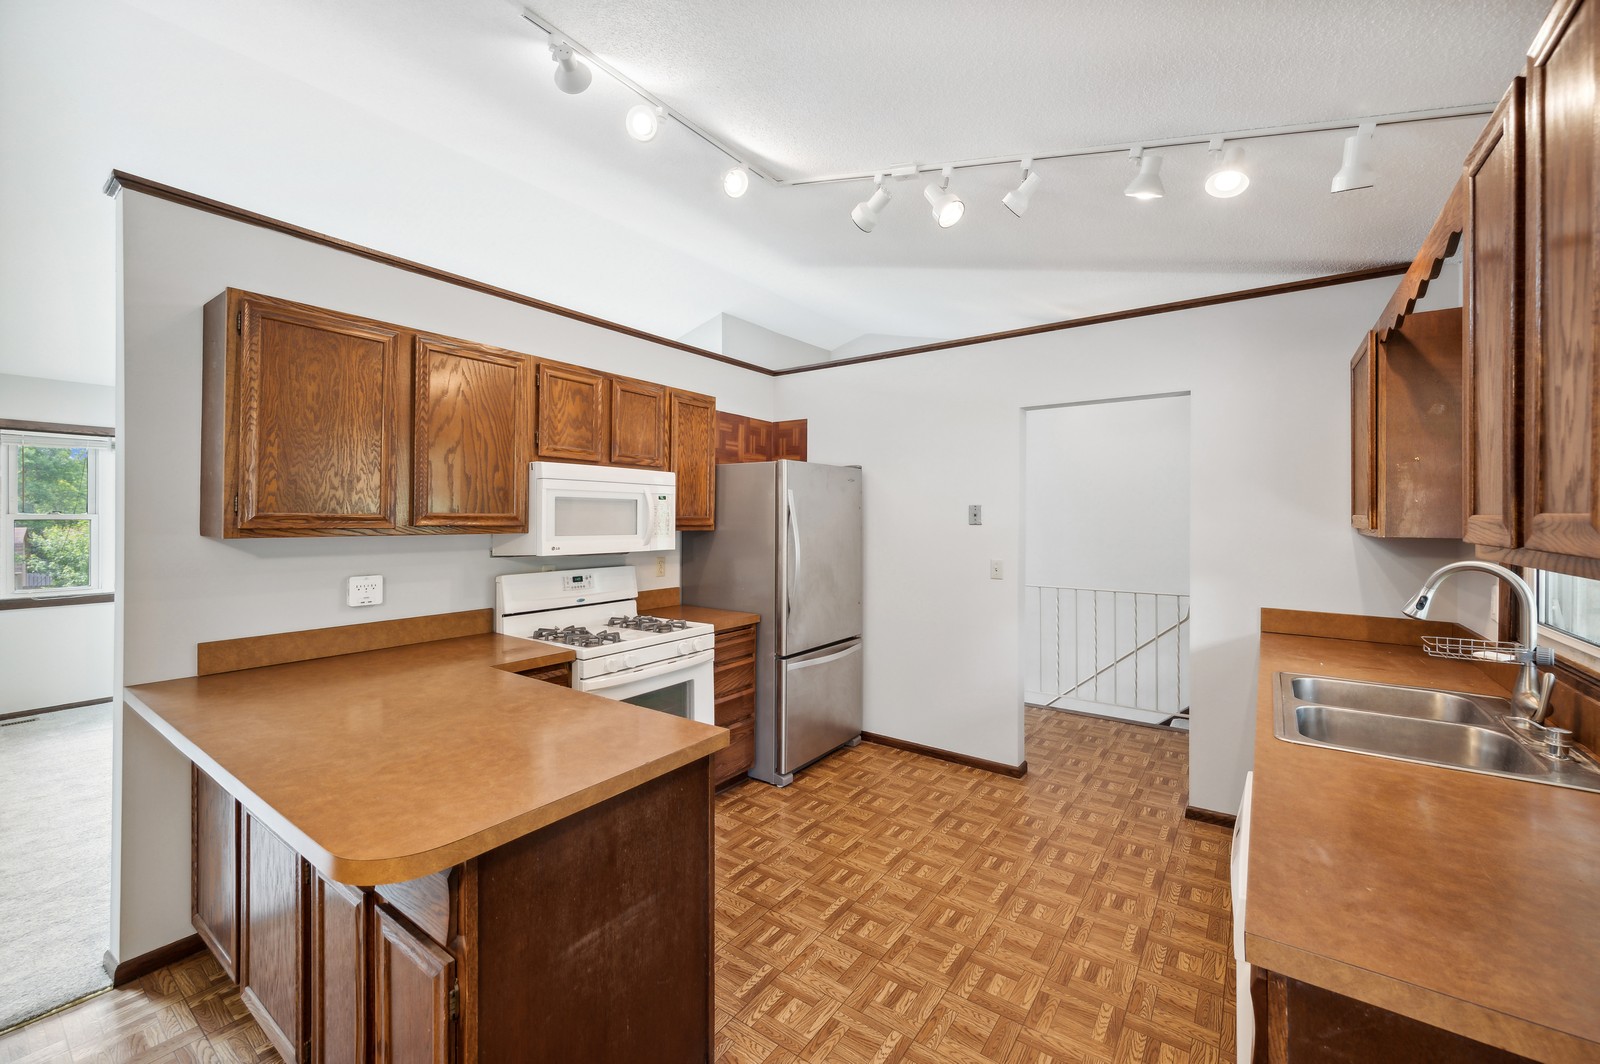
[120, 179]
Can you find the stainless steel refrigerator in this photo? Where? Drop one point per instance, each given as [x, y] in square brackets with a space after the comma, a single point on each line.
[788, 546]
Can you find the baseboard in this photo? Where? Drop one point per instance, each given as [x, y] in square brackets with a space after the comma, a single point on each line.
[1209, 816]
[138, 967]
[53, 709]
[1014, 771]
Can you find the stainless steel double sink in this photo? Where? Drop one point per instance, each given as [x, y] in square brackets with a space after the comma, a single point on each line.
[1452, 729]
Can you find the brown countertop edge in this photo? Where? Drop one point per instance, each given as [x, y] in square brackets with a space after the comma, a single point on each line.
[722, 620]
[327, 707]
[1457, 899]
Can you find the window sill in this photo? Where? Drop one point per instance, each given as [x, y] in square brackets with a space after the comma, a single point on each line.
[29, 602]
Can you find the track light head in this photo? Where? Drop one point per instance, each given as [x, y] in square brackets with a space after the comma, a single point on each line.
[1356, 171]
[1017, 199]
[736, 181]
[946, 205]
[643, 122]
[1146, 185]
[572, 77]
[865, 214]
[1228, 177]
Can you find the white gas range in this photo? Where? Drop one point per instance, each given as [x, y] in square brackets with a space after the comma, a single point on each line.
[648, 661]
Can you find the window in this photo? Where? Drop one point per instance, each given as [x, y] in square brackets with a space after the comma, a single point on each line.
[1569, 614]
[53, 488]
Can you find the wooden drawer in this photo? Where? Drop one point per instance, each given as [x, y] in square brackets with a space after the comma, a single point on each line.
[738, 706]
[736, 644]
[735, 676]
[735, 759]
[560, 675]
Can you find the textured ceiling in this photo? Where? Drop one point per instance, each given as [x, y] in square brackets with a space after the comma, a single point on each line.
[826, 86]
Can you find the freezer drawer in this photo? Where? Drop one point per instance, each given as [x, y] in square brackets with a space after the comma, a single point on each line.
[818, 703]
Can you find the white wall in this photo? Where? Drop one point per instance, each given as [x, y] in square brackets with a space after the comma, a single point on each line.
[61, 402]
[1106, 496]
[1270, 451]
[179, 589]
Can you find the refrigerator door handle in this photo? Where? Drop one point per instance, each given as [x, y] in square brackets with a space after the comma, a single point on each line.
[791, 527]
[796, 664]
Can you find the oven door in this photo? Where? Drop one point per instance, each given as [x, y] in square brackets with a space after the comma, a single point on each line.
[681, 687]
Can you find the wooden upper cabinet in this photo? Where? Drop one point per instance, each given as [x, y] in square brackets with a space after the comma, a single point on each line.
[472, 437]
[1493, 311]
[572, 414]
[314, 401]
[639, 428]
[412, 986]
[1363, 432]
[1561, 484]
[694, 427]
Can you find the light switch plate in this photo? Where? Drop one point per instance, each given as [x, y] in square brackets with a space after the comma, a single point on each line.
[994, 571]
[364, 591]
[975, 514]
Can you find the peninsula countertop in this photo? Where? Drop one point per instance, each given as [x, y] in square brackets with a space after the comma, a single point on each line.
[388, 765]
[1458, 899]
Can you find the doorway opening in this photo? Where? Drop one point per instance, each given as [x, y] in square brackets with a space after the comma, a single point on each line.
[1105, 615]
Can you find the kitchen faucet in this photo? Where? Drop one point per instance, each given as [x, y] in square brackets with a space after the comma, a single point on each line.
[1531, 696]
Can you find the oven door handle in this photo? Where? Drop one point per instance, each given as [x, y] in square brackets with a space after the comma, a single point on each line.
[645, 672]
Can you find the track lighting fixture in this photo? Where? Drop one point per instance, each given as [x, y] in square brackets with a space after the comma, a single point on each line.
[1356, 171]
[1017, 199]
[946, 205]
[1146, 185]
[736, 181]
[865, 214]
[1228, 177]
[572, 77]
[643, 121]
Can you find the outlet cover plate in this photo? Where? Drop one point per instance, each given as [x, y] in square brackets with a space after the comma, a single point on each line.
[364, 591]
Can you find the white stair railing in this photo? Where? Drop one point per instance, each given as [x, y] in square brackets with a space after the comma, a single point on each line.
[1085, 647]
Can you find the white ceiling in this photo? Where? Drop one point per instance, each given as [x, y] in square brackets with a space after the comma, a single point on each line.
[830, 85]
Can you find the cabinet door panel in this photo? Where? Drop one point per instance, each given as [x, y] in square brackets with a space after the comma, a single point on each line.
[317, 417]
[572, 414]
[273, 960]
[472, 434]
[1363, 433]
[215, 886]
[1562, 483]
[638, 424]
[412, 980]
[1493, 290]
[338, 973]
[694, 458]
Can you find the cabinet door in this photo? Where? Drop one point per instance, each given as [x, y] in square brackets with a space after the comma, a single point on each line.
[317, 398]
[572, 414]
[338, 973]
[272, 976]
[1418, 439]
[1493, 294]
[1363, 436]
[472, 434]
[694, 422]
[638, 424]
[214, 888]
[1561, 489]
[411, 988]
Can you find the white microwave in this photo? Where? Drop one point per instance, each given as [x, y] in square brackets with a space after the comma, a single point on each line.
[582, 509]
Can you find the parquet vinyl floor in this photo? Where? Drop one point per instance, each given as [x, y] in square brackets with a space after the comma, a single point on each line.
[891, 908]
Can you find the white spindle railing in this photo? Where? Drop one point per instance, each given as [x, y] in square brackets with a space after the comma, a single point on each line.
[1096, 646]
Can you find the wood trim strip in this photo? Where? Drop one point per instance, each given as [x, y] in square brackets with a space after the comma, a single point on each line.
[54, 709]
[1512, 557]
[1016, 772]
[660, 598]
[138, 967]
[1440, 243]
[122, 180]
[1370, 273]
[254, 652]
[52, 426]
[1398, 630]
[56, 600]
[1210, 816]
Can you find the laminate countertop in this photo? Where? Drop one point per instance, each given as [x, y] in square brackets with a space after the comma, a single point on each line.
[1462, 900]
[722, 620]
[389, 765]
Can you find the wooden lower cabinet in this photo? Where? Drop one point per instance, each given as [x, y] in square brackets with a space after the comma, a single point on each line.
[413, 991]
[272, 963]
[214, 881]
[735, 687]
[339, 937]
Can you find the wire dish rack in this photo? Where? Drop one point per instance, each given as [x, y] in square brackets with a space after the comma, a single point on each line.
[1440, 646]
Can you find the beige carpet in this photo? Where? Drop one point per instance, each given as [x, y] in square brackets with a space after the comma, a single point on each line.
[55, 859]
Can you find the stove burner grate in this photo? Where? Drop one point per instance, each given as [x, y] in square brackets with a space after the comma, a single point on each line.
[654, 625]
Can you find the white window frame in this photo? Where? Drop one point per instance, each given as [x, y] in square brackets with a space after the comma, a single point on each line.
[1573, 648]
[11, 444]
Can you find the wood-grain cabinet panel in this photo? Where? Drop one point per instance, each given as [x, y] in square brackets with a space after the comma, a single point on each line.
[1363, 427]
[412, 983]
[273, 953]
[693, 421]
[215, 883]
[734, 680]
[472, 435]
[639, 425]
[572, 414]
[339, 919]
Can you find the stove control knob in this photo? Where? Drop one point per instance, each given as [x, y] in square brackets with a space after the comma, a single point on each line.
[630, 660]
[687, 647]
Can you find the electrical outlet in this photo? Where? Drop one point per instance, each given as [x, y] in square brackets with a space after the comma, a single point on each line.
[364, 591]
[975, 514]
[994, 571]
[661, 566]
